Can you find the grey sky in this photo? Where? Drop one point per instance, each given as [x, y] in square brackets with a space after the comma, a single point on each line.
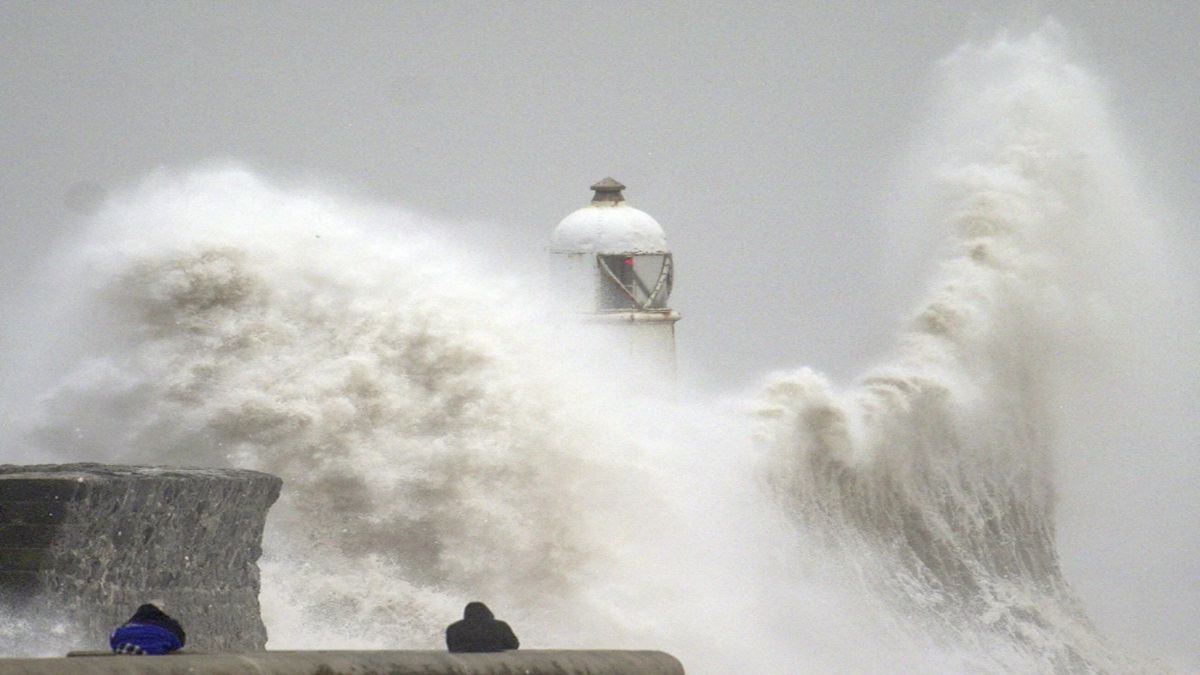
[765, 138]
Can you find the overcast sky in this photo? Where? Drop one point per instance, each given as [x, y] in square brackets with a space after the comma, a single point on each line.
[766, 138]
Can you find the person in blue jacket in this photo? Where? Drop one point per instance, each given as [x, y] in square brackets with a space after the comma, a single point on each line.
[480, 631]
[148, 631]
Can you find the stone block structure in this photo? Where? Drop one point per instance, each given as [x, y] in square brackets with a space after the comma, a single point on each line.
[87, 543]
[526, 662]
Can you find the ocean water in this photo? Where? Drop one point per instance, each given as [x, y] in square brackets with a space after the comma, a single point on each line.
[441, 443]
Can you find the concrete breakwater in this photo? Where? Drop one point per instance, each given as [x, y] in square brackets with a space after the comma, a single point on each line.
[85, 544]
[525, 662]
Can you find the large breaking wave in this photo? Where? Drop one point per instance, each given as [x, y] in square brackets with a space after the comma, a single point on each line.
[437, 445]
[935, 474]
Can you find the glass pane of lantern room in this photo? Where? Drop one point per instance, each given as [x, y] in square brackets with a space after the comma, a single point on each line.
[617, 283]
[647, 269]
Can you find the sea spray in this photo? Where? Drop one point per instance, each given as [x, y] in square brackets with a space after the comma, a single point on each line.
[332, 346]
[935, 473]
[441, 442]
[434, 443]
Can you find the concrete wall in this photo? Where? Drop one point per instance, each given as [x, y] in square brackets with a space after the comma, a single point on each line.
[531, 662]
[85, 544]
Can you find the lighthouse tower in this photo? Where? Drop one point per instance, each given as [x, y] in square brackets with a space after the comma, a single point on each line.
[611, 261]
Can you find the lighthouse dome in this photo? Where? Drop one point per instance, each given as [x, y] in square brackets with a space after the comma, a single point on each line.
[608, 226]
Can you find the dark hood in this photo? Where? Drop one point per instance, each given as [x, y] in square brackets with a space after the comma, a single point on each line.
[477, 611]
[146, 613]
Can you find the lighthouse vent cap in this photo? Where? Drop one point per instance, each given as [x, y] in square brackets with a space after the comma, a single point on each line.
[608, 192]
[608, 226]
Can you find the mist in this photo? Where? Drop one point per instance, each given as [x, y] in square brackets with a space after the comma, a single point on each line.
[785, 151]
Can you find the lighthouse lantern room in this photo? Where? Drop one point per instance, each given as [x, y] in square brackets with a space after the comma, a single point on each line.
[611, 261]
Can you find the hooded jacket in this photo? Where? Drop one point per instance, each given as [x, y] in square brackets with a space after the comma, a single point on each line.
[148, 631]
[479, 631]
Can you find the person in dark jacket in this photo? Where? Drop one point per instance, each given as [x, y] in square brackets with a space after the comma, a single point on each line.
[148, 631]
[479, 631]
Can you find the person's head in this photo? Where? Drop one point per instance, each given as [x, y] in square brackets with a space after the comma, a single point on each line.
[147, 611]
[477, 611]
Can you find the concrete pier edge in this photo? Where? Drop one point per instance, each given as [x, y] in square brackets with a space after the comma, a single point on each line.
[523, 662]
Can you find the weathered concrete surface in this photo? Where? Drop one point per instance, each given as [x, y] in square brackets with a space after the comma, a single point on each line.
[523, 662]
[88, 543]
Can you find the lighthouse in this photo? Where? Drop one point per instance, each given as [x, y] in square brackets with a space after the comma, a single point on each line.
[611, 262]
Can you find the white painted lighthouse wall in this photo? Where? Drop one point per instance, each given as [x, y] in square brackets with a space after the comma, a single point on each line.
[643, 347]
[575, 280]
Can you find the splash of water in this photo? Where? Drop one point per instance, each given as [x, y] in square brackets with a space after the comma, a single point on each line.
[935, 473]
[437, 447]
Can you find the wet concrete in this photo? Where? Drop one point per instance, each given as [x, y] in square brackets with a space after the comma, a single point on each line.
[523, 662]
